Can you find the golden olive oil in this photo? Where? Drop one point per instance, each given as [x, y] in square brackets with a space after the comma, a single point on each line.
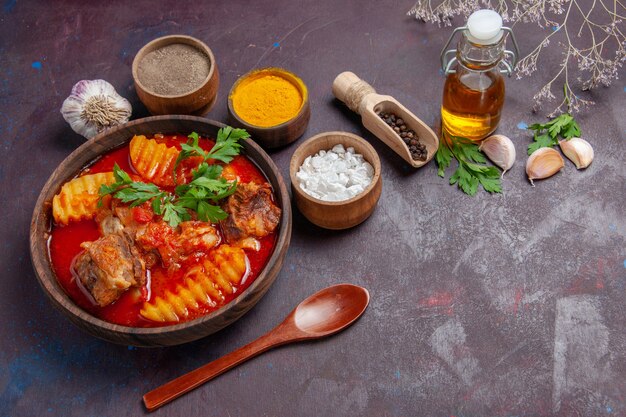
[472, 103]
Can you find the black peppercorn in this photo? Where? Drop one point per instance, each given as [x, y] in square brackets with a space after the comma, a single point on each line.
[408, 136]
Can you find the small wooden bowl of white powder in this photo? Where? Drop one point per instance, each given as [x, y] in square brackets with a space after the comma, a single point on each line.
[335, 179]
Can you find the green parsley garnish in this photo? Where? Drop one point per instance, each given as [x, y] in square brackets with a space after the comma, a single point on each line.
[201, 194]
[471, 170]
[226, 146]
[547, 134]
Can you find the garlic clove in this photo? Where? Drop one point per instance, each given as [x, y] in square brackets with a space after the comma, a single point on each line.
[500, 149]
[94, 106]
[543, 163]
[578, 150]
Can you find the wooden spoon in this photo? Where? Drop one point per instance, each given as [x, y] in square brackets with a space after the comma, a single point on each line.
[322, 314]
[361, 98]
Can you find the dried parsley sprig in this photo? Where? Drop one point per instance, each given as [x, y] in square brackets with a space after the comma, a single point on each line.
[206, 188]
[471, 170]
[547, 135]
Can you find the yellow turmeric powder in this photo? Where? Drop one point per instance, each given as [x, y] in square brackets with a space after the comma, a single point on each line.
[266, 98]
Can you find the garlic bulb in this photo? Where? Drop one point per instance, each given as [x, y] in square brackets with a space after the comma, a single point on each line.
[543, 163]
[578, 150]
[500, 150]
[94, 106]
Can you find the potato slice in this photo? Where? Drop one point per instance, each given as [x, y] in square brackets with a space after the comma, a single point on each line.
[153, 161]
[78, 198]
[204, 285]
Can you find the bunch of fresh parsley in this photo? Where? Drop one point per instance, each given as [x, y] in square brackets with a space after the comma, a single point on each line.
[547, 135]
[471, 170]
[206, 187]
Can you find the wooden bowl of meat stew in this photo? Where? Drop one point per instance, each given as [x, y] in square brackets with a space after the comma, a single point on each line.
[336, 215]
[171, 334]
[164, 90]
[277, 135]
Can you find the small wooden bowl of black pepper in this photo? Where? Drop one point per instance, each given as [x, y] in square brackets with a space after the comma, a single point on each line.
[176, 74]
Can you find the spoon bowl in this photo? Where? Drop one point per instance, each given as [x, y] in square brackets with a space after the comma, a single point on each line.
[322, 314]
[330, 310]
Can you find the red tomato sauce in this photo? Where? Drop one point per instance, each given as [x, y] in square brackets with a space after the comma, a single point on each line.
[65, 240]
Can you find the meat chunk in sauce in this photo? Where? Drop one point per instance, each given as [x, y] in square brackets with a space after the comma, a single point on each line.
[109, 224]
[108, 267]
[251, 213]
[155, 239]
[176, 245]
[133, 224]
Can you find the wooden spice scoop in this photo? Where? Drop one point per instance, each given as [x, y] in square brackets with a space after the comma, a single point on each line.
[361, 98]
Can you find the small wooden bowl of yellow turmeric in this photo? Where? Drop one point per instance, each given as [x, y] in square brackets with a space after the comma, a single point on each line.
[272, 104]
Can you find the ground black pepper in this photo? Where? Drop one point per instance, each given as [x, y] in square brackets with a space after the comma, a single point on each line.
[174, 69]
[408, 136]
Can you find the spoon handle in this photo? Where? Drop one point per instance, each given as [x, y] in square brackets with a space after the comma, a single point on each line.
[191, 380]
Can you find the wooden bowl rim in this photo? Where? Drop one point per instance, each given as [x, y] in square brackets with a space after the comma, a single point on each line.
[152, 45]
[293, 169]
[302, 87]
[64, 301]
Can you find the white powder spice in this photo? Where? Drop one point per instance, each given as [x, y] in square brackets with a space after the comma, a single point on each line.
[335, 175]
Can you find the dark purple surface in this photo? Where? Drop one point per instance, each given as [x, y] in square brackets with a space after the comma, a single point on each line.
[493, 305]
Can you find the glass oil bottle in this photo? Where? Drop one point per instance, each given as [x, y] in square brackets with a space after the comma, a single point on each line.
[473, 94]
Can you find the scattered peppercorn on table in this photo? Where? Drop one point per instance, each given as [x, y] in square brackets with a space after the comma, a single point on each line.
[492, 305]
